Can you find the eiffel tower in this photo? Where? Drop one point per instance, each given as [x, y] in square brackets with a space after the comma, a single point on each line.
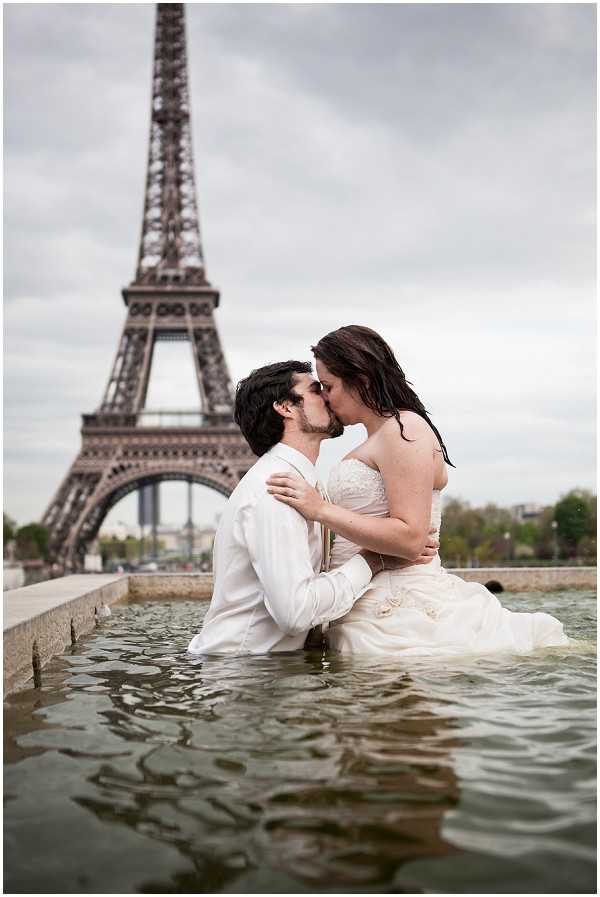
[123, 447]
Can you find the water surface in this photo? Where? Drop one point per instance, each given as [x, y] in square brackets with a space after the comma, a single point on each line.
[138, 768]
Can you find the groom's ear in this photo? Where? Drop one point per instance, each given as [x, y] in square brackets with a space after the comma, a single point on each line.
[282, 408]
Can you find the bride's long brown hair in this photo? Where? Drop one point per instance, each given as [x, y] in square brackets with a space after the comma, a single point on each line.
[364, 361]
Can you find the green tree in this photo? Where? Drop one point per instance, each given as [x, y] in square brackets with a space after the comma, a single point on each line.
[478, 534]
[112, 548]
[544, 543]
[574, 516]
[496, 521]
[525, 533]
[32, 542]
[586, 549]
[486, 553]
[454, 549]
[132, 549]
[461, 522]
[9, 528]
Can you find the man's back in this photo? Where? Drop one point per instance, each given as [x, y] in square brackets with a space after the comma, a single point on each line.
[268, 592]
[238, 620]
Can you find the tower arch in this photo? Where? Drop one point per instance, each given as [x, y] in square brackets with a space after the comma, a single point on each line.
[102, 502]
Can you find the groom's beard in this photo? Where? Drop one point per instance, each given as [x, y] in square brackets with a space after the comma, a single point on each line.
[333, 429]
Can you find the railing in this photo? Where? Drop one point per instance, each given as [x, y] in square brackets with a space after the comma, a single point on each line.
[159, 418]
[514, 563]
[175, 419]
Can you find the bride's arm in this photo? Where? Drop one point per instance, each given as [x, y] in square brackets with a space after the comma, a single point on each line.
[407, 471]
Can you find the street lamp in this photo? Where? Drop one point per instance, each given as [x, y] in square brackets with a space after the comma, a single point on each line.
[554, 526]
[507, 543]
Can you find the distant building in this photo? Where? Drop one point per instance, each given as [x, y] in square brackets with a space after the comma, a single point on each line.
[168, 537]
[203, 538]
[526, 511]
[172, 539]
[119, 530]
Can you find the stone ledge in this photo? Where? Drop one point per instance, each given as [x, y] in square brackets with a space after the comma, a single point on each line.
[42, 619]
[512, 579]
[171, 585]
[528, 579]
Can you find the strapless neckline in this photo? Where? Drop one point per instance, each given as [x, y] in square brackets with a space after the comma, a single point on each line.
[368, 467]
[360, 461]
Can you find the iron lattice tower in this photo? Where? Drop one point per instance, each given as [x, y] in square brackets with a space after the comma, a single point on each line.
[170, 298]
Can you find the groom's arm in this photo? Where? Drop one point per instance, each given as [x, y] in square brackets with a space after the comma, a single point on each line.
[295, 596]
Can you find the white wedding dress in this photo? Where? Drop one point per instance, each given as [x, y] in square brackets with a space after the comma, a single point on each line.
[422, 609]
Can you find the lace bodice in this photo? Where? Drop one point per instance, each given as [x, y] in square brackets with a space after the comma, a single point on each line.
[360, 488]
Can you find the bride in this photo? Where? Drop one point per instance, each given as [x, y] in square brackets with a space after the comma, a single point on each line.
[385, 496]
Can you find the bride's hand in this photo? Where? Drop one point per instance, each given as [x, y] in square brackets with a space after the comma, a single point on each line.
[297, 493]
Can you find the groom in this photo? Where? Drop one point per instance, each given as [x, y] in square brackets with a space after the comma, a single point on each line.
[268, 591]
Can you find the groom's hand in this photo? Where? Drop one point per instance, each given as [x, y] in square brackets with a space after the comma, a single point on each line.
[431, 548]
[374, 560]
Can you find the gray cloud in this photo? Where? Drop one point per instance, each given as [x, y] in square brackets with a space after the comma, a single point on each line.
[424, 169]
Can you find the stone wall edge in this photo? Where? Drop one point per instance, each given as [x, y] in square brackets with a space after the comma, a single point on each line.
[51, 631]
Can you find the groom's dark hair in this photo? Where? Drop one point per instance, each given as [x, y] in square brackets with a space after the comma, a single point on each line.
[254, 414]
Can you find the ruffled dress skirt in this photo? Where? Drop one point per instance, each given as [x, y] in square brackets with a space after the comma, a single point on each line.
[424, 610]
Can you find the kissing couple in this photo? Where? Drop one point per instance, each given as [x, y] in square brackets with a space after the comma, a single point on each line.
[381, 589]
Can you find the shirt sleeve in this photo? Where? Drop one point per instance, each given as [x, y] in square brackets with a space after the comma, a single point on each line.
[295, 596]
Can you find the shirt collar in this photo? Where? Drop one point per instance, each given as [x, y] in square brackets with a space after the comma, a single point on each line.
[297, 460]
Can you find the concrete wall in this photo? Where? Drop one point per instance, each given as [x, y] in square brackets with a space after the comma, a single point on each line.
[42, 619]
[532, 579]
[512, 579]
[170, 585]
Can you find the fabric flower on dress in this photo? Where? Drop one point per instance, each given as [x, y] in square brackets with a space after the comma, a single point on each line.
[403, 598]
[383, 610]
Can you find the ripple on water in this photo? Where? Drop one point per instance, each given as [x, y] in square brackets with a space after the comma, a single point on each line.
[295, 773]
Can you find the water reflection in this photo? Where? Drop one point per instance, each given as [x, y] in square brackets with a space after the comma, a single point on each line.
[349, 766]
[289, 772]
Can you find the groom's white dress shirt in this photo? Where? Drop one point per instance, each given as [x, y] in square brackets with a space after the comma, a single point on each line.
[268, 592]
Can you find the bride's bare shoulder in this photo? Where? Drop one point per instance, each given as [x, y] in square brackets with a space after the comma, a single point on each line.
[413, 425]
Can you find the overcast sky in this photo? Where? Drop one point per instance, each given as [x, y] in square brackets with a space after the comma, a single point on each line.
[426, 170]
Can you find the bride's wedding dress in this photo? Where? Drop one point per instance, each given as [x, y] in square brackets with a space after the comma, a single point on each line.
[422, 609]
